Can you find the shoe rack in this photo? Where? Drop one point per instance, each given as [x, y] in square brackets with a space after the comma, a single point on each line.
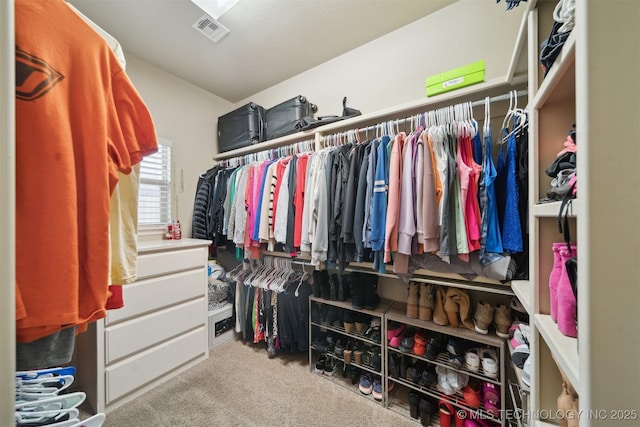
[402, 386]
[318, 325]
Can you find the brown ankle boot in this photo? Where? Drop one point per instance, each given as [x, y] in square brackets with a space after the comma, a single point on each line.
[412, 300]
[439, 314]
[451, 307]
[466, 315]
[502, 320]
[425, 304]
[483, 317]
[458, 307]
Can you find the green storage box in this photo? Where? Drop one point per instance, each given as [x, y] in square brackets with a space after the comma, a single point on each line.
[454, 79]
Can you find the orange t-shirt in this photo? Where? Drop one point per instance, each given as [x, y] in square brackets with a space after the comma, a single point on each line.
[79, 121]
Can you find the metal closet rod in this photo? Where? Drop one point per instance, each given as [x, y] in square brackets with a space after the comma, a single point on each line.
[396, 122]
[269, 154]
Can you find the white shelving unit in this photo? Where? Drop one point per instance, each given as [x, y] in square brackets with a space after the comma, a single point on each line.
[595, 86]
[563, 348]
[552, 110]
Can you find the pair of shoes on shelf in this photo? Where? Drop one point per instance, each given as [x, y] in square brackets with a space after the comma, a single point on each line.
[325, 365]
[450, 381]
[420, 301]
[364, 291]
[435, 345]
[407, 343]
[519, 334]
[456, 348]
[449, 416]
[366, 383]
[421, 408]
[486, 313]
[370, 385]
[395, 334]
[420, 342]
[486, 358]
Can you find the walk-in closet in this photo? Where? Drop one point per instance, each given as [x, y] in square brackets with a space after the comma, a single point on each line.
[279, 212]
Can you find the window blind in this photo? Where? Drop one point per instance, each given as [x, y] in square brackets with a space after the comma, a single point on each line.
[154, 202]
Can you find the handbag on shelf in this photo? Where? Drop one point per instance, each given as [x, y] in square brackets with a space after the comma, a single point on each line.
[307, 123]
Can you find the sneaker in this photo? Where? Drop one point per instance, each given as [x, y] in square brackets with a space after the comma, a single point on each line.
[489, 361]
[483, 317]
[329, 366]
[519, 333]
[377, 389]
[526, 371]
[435, 345]
[502, 320]
[520, 355]
[320, 364]
[472, 360]
[320, 343]
[366, 383]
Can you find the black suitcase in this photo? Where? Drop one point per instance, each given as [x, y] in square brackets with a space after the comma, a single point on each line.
[241, 127]
[282, 119]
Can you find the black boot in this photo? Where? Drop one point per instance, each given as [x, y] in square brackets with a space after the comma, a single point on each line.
[315, 284]
[325, 288]
[334, 284]
[371, 297]
[344, 289]
[357, 291]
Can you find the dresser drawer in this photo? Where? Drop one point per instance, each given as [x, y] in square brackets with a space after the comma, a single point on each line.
[147, 295]
[129, 337]
[125, 376]
[157, 263]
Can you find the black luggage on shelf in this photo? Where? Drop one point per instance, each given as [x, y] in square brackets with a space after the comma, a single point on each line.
[282, 119]
[241, 127]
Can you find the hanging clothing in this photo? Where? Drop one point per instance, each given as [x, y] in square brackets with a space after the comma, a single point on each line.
[432, 193]
[72, 165]
[508, 198]
[379, 206]
[393, 196]
[491, 238]
[361, 203]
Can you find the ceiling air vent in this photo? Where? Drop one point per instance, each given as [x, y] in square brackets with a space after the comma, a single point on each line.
[211, 28]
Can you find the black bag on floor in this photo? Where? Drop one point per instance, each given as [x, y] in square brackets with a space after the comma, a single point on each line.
[282, 119]
[241, 127]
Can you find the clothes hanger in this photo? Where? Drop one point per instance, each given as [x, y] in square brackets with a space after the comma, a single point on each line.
[487, 115]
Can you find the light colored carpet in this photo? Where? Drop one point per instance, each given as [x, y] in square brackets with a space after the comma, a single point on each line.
[240, 386]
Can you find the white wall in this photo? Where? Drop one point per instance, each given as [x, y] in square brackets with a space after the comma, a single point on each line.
[186, 115]
[392, 69]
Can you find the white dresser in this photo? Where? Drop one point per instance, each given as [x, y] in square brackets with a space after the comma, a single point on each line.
[161, 331]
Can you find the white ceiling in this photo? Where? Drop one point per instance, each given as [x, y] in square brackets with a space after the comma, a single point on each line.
[269, 41]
